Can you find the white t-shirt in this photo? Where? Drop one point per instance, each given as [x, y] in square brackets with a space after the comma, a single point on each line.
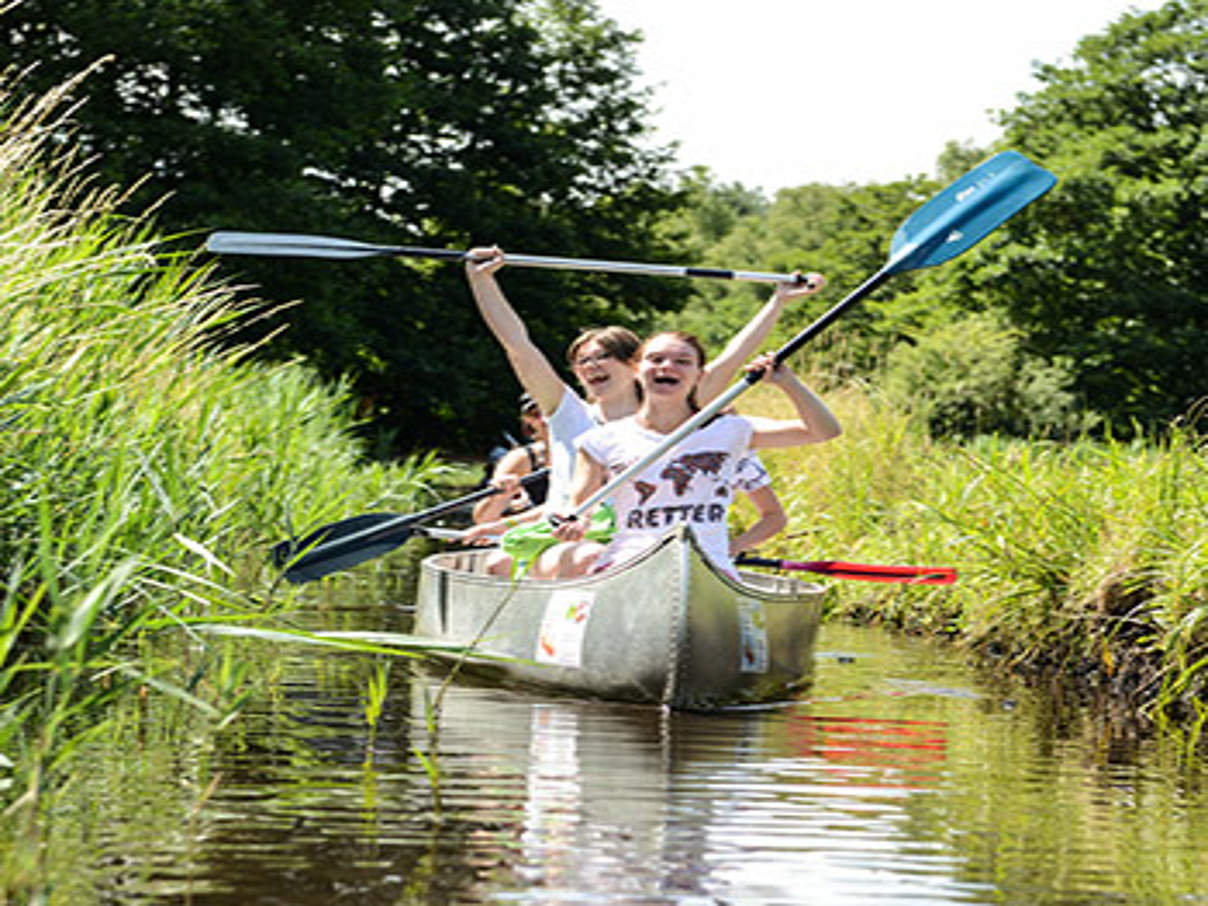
[692, 483]
[750, 474]
[571, 419]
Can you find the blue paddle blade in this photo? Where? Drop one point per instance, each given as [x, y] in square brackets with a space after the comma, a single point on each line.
[967, 211]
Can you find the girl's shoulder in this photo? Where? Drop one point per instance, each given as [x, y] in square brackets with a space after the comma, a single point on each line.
[517, 460]
[731, 423]
[573, 416]
[570, 405]
[602, 441]
[620, 427]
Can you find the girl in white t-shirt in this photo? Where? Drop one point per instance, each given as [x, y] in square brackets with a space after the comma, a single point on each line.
[691, 483]
[602, 361]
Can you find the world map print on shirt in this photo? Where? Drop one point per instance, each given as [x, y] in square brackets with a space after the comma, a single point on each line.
[644, 490]
[680, 474]
[681, 470]
[750, 474]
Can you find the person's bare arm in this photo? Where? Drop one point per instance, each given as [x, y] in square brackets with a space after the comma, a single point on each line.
[782, 432]
[589, 477]
[512, 466]
[534, 371]
[720, 373]
[483, 532]
[771, 522]
[815, 418]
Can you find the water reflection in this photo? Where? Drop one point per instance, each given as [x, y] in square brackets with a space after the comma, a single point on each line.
[902, 778]
[632, 804]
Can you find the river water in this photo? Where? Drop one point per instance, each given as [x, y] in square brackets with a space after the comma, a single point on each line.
[902, 776]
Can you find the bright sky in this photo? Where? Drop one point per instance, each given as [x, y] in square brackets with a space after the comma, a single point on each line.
[776, 93]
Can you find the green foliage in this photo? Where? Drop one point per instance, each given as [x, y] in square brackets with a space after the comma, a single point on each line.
[841, 232]
[1095, 298]
[957, 159]
[1085, 557]
[971, 376]
[431, 122]
[144, 467]
[1110, 270]
[709, 212]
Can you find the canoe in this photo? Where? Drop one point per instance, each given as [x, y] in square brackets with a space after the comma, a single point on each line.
[665, 628]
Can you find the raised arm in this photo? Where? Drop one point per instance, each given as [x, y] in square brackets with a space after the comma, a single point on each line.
[720, 372]
[814, 417]
[532, 368]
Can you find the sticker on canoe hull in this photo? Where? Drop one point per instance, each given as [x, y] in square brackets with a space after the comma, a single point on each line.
[563, 627]
[753, 630]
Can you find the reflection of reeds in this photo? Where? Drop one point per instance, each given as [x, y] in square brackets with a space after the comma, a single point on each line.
[1087, 557]
[430, 758]
[144, 465]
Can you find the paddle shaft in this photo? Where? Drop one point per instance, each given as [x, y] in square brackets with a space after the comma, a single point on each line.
[947, 225]
[229, 242]
[376, 531]
[828, 317]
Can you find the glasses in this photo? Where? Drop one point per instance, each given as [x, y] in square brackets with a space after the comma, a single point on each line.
[598, 358]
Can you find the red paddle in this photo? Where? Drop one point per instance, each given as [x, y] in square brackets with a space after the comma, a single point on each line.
[865, 572]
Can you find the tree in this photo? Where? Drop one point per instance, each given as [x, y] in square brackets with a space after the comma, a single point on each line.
[435, 122]
[842, 232]
[956, 159]
[968, 376]
[1111, 269]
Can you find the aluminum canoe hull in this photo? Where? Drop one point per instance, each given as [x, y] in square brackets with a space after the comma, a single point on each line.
[666, 628]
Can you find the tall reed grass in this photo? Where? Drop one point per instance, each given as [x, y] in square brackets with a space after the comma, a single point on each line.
[1087, 559]
[144, 468]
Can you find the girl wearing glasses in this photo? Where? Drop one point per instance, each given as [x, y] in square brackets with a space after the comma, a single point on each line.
[602, 362]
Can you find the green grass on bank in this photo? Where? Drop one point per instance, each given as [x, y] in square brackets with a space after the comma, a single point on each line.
[1088, 558]
[144, 469]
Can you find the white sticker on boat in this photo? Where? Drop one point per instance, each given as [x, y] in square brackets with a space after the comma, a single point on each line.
[753, 627]
[565, 622]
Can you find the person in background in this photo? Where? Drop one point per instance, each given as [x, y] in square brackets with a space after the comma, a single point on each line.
[518, 462]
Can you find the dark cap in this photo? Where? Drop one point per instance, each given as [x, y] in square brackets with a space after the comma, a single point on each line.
[527, 403]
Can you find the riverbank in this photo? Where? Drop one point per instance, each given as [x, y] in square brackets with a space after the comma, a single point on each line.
[146, 467]
[1082, 561]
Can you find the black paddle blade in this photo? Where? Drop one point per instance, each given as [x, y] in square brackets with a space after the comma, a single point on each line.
[338, 546]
